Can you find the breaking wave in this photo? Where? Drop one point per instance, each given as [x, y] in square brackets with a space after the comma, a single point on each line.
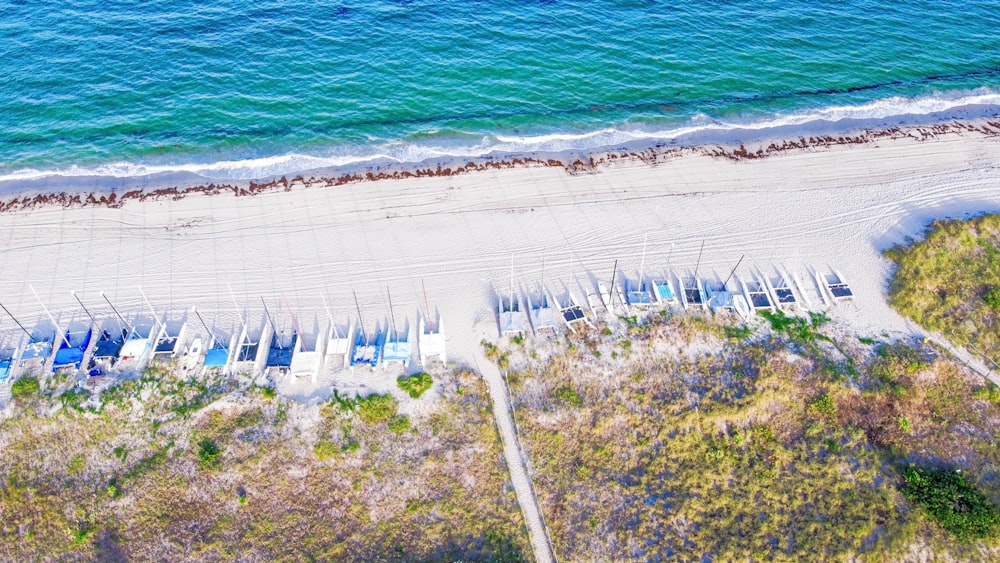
[698, 129]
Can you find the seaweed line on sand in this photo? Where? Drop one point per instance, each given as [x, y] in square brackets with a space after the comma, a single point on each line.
[572, 165]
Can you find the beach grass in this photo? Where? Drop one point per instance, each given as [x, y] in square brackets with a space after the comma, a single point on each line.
[236, 474]
[949, 282]
[705, 441]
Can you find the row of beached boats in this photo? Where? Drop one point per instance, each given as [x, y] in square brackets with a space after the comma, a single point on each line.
[742, 295]
[120, 346]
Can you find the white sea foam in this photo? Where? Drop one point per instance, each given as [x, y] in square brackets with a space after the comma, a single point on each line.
[894, 110]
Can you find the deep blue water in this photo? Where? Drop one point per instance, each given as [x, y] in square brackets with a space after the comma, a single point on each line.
[232, 89]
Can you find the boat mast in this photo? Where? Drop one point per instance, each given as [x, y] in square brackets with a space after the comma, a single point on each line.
[642, 262]
[295, 325]
[239, 314]
[49, 315]
[392, 317]
[18, 323]
[611, 290]
[85, 310]
[117, 314]
[543, 300]
[326, 306]
[511, 302]
[698, 263]
[204, 324]
[733, 272]
[152, 311]
[427, 309]
[274, 329]
[361, 323]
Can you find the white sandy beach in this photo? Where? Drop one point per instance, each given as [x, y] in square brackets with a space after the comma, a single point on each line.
[827, 208]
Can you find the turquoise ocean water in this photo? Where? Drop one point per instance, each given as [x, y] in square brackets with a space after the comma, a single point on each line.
[230, 89]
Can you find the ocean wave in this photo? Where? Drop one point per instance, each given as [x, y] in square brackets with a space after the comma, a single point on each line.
[699, 128]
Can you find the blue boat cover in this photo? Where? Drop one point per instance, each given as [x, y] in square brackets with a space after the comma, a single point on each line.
[280, 357]
[216, 357]
[68, 356]
[71, 355]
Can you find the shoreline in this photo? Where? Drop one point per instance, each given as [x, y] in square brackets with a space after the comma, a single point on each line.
[445, 243]
[120, 191]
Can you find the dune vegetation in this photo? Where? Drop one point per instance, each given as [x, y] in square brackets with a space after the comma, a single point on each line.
[161, 468]
[949, 282]
[692, 438]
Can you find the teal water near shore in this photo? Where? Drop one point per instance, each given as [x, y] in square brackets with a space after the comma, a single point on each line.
[231, 90]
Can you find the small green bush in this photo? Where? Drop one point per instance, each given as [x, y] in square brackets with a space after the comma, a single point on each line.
[503, 549]
[904, 424]
[76, 464]
[798, 329]
[737, 332]
[416, 384]
[992, 298]
[824, 406]
[399, 424]
[343, 402]
[74, 397]
[989, 392]
[82, 532]
[952, 502]
[376, 408]
[209, 453]
[569, 395]
[324, 450]
[26, 387]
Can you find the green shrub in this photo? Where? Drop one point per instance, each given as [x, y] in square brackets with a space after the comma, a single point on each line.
[569, 395]
[376, 408]
[209, 453]
[74, 397]
[824, 406]
[26, 387]
[952, 502]
[416, 384]
[798, 329]
[503, 549]
[76, 464]
[267, 392]
[894, 363]
[399, 424]
[989, 392]
[737, 332]
[324, 450]
[904, 424]
[992, 298]
[343, 402]
[114, 489]
[82, 532]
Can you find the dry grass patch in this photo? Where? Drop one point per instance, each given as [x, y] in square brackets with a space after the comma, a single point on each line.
[256, 478]
[781, 443]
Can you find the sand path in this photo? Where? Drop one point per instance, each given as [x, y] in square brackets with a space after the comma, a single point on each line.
[516, 460]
